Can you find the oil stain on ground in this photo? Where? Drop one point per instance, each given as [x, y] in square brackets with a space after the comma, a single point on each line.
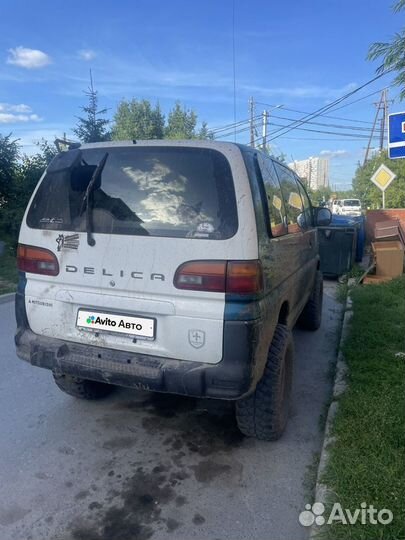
[135, 512]
[190, 433]
[202, 427]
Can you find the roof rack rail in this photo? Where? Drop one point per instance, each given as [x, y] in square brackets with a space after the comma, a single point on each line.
[65, 144]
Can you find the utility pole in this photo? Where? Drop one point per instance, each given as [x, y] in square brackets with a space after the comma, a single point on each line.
[252, 127]
[372, 130]
[383, 119]
[382, 112]
[264, 143]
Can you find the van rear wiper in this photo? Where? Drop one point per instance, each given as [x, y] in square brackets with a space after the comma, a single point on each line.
[87, 200]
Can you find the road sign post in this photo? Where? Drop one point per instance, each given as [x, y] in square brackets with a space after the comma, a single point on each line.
[382, 178]
[396, 135]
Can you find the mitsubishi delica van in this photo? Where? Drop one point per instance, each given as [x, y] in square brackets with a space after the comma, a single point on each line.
[170, 266]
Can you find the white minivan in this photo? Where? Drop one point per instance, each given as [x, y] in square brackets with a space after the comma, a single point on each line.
[348, 207]
[170, 266]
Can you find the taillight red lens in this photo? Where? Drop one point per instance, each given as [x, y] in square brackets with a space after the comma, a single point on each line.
[37, 260]
[201, 276]
[244, 277]
[241, 277]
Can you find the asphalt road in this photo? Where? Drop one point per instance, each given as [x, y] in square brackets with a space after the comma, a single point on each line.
[138, 466]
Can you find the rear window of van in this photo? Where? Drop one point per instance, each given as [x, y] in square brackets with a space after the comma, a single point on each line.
[155, 191]
[351, 202]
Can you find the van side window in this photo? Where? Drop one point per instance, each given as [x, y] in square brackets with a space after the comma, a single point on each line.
[256, 185]
[307, 204]
[277, 215]
[292, 199]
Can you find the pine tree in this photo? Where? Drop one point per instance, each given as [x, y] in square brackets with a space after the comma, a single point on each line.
[181, 123]
[92, 127]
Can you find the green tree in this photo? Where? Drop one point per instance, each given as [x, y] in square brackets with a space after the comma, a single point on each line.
[369, 194]
[47, 150]
[19, 174]
[392, 53]
[9, 156]
[93, 126]
[181, 123]
[138, 120]
[205, 133]
[322, 194]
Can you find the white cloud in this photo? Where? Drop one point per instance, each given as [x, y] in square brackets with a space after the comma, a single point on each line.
[28, 58]
[86, 54]
[10, 118]
[334, 153]
[13, 114]
[19, 108]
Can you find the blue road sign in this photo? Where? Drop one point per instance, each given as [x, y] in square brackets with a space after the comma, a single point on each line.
[396, 135]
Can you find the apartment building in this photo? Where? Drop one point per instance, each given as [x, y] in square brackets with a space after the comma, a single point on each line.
[314, 171]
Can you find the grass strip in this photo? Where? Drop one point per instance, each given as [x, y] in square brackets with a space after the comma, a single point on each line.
[367, 460]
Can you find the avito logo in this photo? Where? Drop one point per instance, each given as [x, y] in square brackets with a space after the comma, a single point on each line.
[365, 514]
[92, 319]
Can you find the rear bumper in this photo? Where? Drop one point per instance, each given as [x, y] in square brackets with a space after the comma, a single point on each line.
[233, 377]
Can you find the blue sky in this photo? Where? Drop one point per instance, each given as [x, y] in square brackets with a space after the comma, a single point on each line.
[298, 54]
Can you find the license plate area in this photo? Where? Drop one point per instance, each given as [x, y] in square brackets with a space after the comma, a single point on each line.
[129, 325]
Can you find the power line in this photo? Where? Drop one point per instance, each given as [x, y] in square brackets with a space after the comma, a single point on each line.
[234, 65]
[326, 108]
[224, 135]
[342, 136]
[349, 136]
[326, 115]
[318, 139]
[256, 117]
[229, 126]
[339, 126]
[364, 97]
[235, 125]
[365, 136]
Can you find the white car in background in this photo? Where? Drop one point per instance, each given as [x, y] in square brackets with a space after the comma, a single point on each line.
[348, 207]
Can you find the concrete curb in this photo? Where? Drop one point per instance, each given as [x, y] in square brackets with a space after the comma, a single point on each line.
[9, 297]
[322, 490]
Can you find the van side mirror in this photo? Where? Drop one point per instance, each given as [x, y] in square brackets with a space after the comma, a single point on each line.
[322, 217]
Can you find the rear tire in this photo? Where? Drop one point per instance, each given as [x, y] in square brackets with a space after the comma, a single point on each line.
[82, 388]
[311, 316]
[264, 413]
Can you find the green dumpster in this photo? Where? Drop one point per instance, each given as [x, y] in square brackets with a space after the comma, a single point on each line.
[337, 249]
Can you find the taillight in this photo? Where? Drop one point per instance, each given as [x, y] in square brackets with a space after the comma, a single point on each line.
[244, 277]
[201, 276]
[241, 277]
[37, 260]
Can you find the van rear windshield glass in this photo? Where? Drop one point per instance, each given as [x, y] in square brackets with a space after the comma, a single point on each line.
[155, 191]
[351, 202]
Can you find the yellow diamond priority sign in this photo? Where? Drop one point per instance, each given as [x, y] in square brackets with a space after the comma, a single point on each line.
[383, 177]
